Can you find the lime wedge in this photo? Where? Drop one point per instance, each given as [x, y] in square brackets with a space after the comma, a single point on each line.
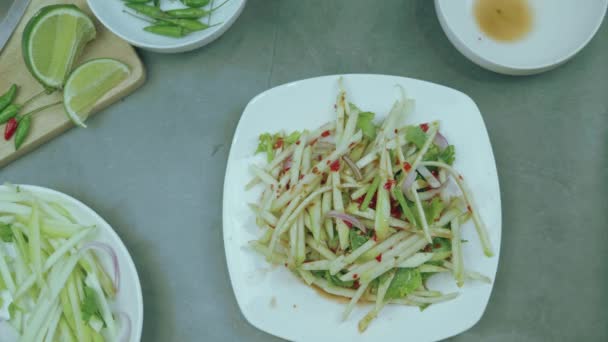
[52, 41]
[90, 82]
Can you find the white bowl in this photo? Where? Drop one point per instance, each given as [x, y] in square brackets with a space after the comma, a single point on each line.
[129, 299]
[272, 298]
[111, 15]
[560, 29]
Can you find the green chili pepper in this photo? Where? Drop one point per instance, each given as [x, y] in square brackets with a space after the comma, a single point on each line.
[188, 13]
[22, 130]
[188, 24]
[150, 11]
[167, 30]
[9, 112]
[195, 3]
[193, 13]
[8, 97]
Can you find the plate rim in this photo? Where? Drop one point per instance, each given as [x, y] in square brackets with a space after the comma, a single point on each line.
[111, 231]
[496, 245]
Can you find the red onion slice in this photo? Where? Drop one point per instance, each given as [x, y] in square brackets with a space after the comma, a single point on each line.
[450, 190]
[287, 163]
[125, 336]
[428, 176]
[348, 218]
[407, 183]
[104, 247]
[441, 141]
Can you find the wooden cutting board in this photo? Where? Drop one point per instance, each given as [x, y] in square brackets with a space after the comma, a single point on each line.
[52, 122]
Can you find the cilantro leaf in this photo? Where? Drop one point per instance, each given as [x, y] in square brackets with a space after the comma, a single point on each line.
[406, 281]
[356, 240]
[365, 122]
[266, 145]
[415, 135]
[433, 209]
[6, 233]
[441, 245]
[89, 304]
[335, 280]
[11, 310]
[292, 138]
[447, 155]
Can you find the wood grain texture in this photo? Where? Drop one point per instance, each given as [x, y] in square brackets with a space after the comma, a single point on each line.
[52, 122]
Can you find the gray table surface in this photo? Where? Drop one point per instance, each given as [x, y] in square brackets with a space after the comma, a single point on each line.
[153, 165]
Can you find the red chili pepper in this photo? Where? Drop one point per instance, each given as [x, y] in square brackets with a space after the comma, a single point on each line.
[10, 128]
[425, 127]
[372, 203]
[360, 199]
[396, 212]
[355, 276]
[348, 224]
[335, 166]
[389, 184]
[407, 167]
[278, 144]
[356, 284]
[325, 134]
[379, 257]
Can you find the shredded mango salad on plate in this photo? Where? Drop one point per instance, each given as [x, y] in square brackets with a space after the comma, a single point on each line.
[366, 209]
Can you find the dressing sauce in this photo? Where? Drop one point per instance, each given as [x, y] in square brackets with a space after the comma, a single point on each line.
[504, 20]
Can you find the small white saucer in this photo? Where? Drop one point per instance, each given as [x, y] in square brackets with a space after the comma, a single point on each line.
[560, 29]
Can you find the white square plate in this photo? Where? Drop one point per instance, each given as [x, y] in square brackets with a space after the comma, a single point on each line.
[274, 300]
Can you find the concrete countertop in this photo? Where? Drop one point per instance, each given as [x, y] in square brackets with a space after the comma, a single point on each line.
[153, 165]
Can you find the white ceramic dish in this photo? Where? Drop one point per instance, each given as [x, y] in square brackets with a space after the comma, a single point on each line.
[274, 300]
[561, 28]
[129, 299]
[110, 13]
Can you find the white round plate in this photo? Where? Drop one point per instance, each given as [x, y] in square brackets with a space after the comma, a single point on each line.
[129, 299]
[111, 15]
[271, 297]
[560, 29]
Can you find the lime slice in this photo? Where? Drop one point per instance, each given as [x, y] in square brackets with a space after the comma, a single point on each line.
[90, 82]
[52, 41]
